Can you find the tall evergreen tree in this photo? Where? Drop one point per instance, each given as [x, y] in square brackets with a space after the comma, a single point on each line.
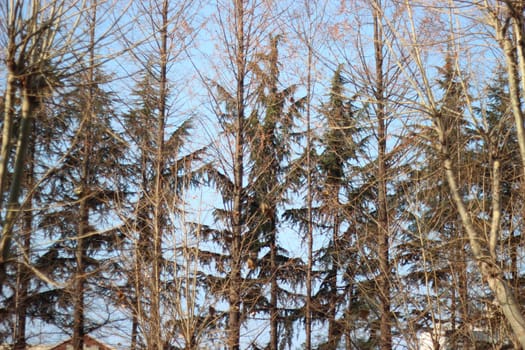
[448, 300]
[340, 271]
[340, 149]
[87, 182]
[236, 245]
[271, 129]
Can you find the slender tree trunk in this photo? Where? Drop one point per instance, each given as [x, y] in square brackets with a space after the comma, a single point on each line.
[7, 129]
[518, 23]
[234, 320]
[21, 291]
[9, 102]
[30, 103]
[142, 251]
[274, 313]
[140, 246]
[83, 228]
[85, 191]
[309, 203]
[463, 296]
[156, 320]
[23, 273]
[453, 312]
[134, 330]
[382, 209]
[333, 329]
[79, 290]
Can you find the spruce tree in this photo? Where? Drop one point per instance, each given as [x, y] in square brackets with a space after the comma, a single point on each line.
[271, 129]
[340, 144]
[447, 300]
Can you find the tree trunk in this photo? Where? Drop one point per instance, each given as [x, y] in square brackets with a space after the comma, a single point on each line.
[309, 204]
[333, 328]
[274, 313]
[382, 209]
[134, 330]
[488, 265]
[156, 341]
[78, 291]
[85, 190]
[235, 283]
[7, 129]
[23, 273]
[30, 103]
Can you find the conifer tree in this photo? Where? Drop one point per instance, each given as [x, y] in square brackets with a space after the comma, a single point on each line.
[79, 255]
[451, 116]
[270, 130]
[336, 259]
[446, 300]
[255, 117]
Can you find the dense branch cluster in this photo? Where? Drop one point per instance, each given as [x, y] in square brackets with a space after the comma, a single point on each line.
[247, 174]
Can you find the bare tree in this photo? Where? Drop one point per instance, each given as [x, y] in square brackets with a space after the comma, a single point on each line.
[48, 45]
[30, 38]
[504, 18]
[85, 186]
[374, 77]
[307, 21]
[248, 111]
[162, 172]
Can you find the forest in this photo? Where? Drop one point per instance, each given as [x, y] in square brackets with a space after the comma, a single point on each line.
[263, 175]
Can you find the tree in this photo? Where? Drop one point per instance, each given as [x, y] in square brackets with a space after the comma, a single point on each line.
[306, 21]
[501, 142]
[175, 282]
[85, 187]
[339, 150]
[377, 82]
[504, 18]
[155, 289]
[254, 121]
[270, 129]
[380, 103]
[449, 299]
[31, 49]
[37, 63]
